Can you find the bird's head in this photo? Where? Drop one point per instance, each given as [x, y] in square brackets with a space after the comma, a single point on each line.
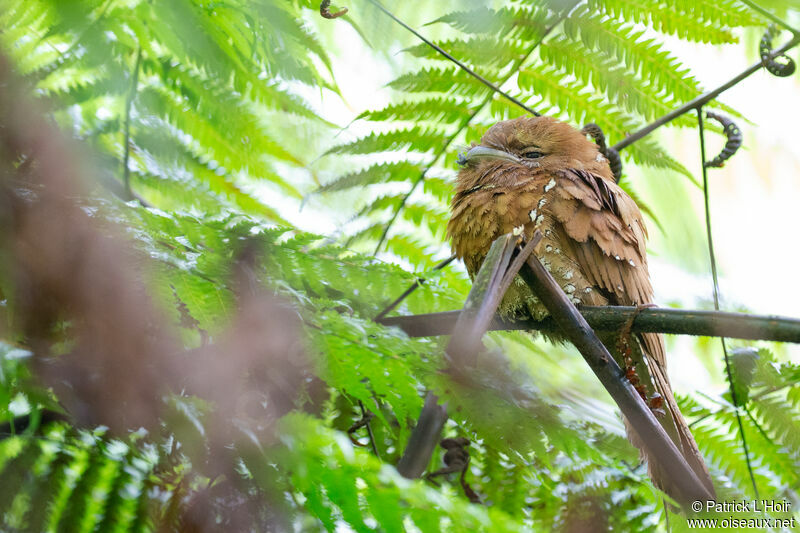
[531, 143]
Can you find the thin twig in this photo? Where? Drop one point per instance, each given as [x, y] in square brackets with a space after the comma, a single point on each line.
[414, 286]
[715, 281]
[460, 65]
[421, 178]
[126, 171]
[612, 318]
[463, 125]
[758, 427]
[770, 16]
[700, 100]
[369, 430]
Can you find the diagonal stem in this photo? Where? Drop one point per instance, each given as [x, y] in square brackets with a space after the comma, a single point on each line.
[421, 178]
[460, 64]
[487, 291]
[659, 447]
[700, 100]
[414, 286]
[464, 124]
[372, 442]
[766, 14]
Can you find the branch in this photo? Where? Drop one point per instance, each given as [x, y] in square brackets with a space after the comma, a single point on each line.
[655, 441]
[702, 99]
[423, 438]
[495, 275]
[414, 286]
[612, 318]
[458, 63]
[482, 301]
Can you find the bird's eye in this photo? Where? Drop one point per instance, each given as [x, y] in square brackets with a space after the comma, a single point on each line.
[532, 155]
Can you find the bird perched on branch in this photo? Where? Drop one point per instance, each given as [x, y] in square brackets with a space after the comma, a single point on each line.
[532, 174]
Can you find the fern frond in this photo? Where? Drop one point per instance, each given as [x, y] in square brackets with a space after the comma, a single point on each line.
[484, 51]
[628, 45]
[624, 88]
[706, 22]
[526, 22]
[378, 173]
[435, 110]
[417, 139]
[452, 81]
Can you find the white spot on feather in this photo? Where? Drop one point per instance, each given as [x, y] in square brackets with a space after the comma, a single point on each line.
[550, 184]
[617, 258]
[548, 248]
[587, 290]
[518, 230]
[542, 201]
[533, 214]
[539, 220]
[568, 275]
[599, 158]
[631, 263]
[569, 288]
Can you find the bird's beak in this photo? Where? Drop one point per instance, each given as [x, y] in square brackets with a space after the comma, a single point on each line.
[484, 152]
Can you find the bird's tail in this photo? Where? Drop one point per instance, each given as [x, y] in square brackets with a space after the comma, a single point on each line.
[653, 376]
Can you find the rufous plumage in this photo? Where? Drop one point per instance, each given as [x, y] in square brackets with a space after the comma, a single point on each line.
[531, 174]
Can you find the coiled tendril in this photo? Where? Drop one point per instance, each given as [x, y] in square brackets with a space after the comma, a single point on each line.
[785, 67]
[325, 10]
[734, 135]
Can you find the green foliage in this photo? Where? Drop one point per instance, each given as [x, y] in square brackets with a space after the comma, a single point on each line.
[80, 481]
[582, 63]
[204, 100]
[340, 484]
[198, 79]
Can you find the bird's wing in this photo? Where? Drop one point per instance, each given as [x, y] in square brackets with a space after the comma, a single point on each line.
[607, 232]
[605, 229]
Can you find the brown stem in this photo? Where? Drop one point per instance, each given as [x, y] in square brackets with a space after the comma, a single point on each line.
[700, 100]
[611, 318]
[423, 438]
[481, 304]
[487, 290]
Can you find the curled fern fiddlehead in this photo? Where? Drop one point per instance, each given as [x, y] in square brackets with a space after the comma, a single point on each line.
[783, 68]
[325, 10]
[595, 132]
[734, 135]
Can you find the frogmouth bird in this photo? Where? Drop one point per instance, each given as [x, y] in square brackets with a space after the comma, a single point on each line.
[531, 174]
